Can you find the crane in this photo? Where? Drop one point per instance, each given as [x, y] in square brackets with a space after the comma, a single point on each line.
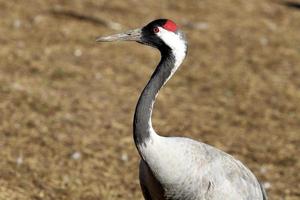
[179, 168]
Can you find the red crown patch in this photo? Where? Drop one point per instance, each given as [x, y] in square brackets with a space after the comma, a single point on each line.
[170, 26]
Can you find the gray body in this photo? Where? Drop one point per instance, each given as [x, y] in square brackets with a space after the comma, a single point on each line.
[177, 168]
[192, 170]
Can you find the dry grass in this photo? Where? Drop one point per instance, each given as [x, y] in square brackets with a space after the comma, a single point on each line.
[67, 103]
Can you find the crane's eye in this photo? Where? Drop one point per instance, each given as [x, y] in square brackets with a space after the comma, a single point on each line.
[155, 30]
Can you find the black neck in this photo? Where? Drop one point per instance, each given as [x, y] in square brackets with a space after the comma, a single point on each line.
[142, 118]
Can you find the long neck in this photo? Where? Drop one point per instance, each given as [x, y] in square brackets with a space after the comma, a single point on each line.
[142, 125]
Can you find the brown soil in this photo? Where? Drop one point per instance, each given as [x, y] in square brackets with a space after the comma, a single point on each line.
[67, 102]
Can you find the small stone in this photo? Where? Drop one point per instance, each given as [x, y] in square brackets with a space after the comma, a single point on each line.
[115, 26]
[124, 157]
[19, 160]
[267, 185]
[98, 76]
[38, 19]
[17, 23]
[41, 194]
[263, 170]
[263, 41]
[76, 155]
[77, 53]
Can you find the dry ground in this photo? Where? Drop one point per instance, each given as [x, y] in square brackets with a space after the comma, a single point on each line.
[67, 103]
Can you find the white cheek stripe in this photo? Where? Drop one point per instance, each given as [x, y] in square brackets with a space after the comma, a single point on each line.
[177, 45]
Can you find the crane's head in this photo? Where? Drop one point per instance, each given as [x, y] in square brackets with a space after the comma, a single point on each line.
[162, 34]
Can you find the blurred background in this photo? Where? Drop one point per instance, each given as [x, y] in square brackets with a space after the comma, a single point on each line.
[67, 103]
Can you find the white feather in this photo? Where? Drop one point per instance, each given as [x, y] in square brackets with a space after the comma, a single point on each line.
[176, 43]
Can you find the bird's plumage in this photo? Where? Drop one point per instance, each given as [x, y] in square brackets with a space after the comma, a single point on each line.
[190, 170]
[178, 168]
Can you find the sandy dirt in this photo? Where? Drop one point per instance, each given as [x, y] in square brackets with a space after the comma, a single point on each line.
[67, 103]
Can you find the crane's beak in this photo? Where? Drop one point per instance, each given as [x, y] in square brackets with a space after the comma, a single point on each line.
[132, 35]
